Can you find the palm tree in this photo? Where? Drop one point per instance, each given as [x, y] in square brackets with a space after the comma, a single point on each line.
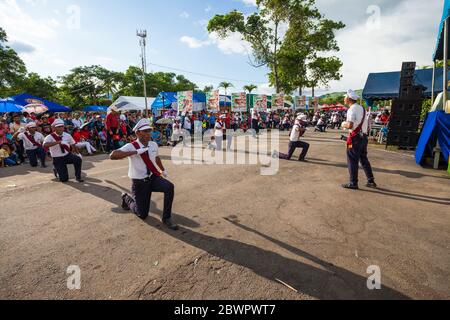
[250, 88]
[226, 85]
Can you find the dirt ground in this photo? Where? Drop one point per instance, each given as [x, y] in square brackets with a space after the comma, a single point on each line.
[241, 236]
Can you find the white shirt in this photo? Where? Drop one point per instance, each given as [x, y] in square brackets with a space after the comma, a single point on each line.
[55, 151]
[138, 169]
[218, 132]
[77, 123]
[123, 117]
[255, 115]
[176, 128]
[187, 123]
[295, 133]
[38, 137]
[355, 114]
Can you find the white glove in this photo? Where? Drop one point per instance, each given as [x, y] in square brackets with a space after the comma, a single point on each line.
[142, 151]
[165, 174]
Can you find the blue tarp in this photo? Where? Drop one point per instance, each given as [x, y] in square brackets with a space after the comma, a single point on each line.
[165, 100]
[439, 51]
[436, 124]
[96, 109]
[25, 99]
[8, 105]
[386, 85]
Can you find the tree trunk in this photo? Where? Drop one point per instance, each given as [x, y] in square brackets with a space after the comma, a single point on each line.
[313, 93]
[300, 91]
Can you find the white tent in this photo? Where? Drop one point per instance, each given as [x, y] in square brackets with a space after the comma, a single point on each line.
[133, 103]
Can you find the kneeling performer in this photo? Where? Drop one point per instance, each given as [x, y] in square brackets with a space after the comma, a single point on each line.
[143, 155]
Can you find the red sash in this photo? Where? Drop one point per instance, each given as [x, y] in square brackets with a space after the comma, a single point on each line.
[32, 140]
[148, 162]
[63, 146]
[356, 131]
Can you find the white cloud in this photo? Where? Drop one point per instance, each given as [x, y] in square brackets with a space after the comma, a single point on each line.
[208, 8]
[232, 44]
[184, 15]
[194, 43]
[249, 2]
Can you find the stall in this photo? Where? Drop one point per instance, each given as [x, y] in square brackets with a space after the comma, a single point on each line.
[25, 99]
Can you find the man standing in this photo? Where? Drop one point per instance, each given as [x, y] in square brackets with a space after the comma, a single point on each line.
[294, 141]
[145, 172]
[60, 144]
[32, 142]
[357, 142]
[112, 128]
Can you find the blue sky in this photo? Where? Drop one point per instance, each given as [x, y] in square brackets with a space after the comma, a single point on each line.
[54, 36]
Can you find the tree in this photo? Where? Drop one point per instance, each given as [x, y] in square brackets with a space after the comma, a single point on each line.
[262, 30]
[226, 85]
[208, 89]
[42, 87]
[323, 70]
[250, 88]
[12, 68]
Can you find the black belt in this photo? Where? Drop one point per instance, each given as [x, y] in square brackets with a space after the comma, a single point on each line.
[144, 180]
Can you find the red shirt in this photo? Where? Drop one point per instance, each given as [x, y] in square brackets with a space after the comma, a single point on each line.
[77, 136]
[112, 121]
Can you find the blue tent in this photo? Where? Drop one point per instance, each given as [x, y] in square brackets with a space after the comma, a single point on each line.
[437, 125]
[439, 51]
[386, 85]
[166, 99]
[8, 105]
[96, 109]
[25, 99]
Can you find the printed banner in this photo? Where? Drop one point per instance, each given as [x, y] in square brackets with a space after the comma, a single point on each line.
[277, 101]
[260, 103]
[300, 103]
[213, 101]
[239, 102]
[185, 102]
[316, 104]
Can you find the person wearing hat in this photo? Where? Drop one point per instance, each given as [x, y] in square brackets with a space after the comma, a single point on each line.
[112, 128]
[61, 145]
[298, 130]
[32, 142]
[147, 173]
[357, 142]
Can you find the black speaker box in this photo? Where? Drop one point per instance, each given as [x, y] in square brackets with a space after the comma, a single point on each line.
[404, 123]
[408, 66]
[408, 73]
[406, 82]
[403, 139]
[407, 107]
[414, 92]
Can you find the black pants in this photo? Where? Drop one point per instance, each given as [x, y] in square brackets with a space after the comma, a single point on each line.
[292, 147]
[61, 163]
[111, 145]
[358, 154]
[20, 151]
[33, 156]
[142, 194]
[255, 125]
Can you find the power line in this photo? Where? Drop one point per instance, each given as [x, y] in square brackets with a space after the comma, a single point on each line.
[206, 75]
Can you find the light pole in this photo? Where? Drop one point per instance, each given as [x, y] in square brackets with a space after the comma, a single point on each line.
[142, 34]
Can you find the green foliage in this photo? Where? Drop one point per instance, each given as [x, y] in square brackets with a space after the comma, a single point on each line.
[226, 85]
[249, 88]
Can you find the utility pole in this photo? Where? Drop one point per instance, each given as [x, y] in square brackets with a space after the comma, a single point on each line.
[142, 34]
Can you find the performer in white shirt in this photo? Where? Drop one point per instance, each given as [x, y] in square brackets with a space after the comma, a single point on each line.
[147, 172]
[61, 145]
[294, 141]
[32, 142]
[357, 142]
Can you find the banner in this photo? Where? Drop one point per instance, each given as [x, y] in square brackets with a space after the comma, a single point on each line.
[316, 104]
[260, 102]
[300, 103]
[185, 102]
[213, 101]
[277, 101]
[239, 102]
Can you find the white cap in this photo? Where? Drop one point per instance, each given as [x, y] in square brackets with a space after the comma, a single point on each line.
[142, 125]
[352, 95]
[302, 117]
[31, 125]
[58, 123]
[114, 108]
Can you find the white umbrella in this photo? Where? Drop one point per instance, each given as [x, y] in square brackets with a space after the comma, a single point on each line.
[165, 121]
[35, 108]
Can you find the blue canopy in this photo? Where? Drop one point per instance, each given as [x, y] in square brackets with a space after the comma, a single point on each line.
[439, 51]
[96, 109]
[8, 105]
[25, 99]
[386, 85]
[436, 124]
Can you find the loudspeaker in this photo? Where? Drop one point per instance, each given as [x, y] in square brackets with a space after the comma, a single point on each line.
[408, 66]
[405, 123]
[408, 73]
[407, 107]
[403, 138]
[406, 82]
[413, 92]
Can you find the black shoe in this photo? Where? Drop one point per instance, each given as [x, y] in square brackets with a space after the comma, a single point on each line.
[80, 180]
[350, 186]
[55, 173]
[303, 160]
[371, 184]
[124, 203]
[169, 224]
[43, 166]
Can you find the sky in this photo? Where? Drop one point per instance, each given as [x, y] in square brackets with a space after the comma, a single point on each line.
[54, 36]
